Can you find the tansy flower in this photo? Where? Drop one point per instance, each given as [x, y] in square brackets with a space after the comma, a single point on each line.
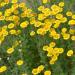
[59, 16]
[66, 36]
[61, 4]
[71, 31]
[40, 68]
[41, 16]
[73, 38]
[52, 44]
[11, 25]
[20, 62]
[73, 16]
[69, 13]
[56, 36]
[63, 20]
[10, 50]
[64, 30]
[3, 68]
[61, 50]
[32, 33]
[12, 31]
[24, 24]
[45, 47]
[2, 17]
[54, 58]
[16, 12]
[71, 22]
[35, 71]
[41, 31]
[49, 49]
[47, 72]
[51, 62]
[70, 53]
[40, 8]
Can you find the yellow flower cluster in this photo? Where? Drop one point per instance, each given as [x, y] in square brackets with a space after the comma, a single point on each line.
[3, 33]
[53, 52]
[39, 69]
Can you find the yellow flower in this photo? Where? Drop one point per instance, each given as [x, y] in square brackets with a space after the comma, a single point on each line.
[12, 31]
[14, 1]
[10, 50]
[35, 71]
[70, 53]
[54, 58]
[52, 44]
[69, 13]
[71, 22]
[56, 25]
[19, 62]
[66, 36]
[52, 32]
[73, 16]
[45, 48]
[5, 33]
[16, 12]
[73, 38]
[41, 16]
[64, 30]
[63, 20]
[47, 72]
[2, 17]
[40, 68]
[61, 4]
[71, 31]
[55, 50]
[24, 24]
[46, 12]
[32, 33]
[51, 62]
[41, 31]
[49, 54]
[56, 36]
[45, 1]
[1, 39]
[37, 24]
[3, 68]
[61, 50]
[40, 8]
[59, 16]
[55, 9]
[11, 25]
